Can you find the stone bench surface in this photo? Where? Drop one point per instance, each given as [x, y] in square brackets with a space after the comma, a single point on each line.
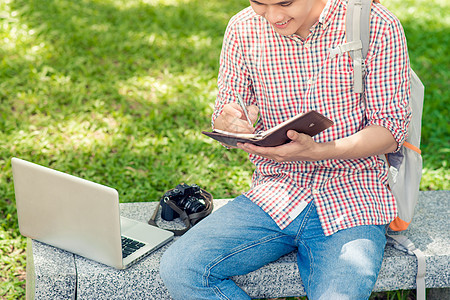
[56, 274]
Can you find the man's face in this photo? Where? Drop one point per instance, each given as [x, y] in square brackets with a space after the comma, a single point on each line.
[286, 16]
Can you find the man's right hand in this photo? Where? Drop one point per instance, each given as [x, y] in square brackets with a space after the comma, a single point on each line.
[232, 118]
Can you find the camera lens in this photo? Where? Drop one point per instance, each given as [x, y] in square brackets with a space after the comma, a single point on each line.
[191, 205]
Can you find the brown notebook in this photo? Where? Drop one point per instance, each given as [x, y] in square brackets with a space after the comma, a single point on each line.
[310, 123]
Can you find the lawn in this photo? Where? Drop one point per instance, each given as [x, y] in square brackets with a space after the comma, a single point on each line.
[118, 91]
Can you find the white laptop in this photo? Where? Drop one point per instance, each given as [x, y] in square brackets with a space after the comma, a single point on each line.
[79, 216]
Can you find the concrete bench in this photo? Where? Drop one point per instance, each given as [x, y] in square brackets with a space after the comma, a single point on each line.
[56, 274]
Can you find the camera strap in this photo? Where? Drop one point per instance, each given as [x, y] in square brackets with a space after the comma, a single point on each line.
[188, 220]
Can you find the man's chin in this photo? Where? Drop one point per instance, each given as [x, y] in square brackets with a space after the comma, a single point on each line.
[284, 32]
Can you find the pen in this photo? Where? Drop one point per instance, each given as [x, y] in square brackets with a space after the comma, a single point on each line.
[241, 103]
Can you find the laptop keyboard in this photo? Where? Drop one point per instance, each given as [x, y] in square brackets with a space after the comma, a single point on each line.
[130, 246]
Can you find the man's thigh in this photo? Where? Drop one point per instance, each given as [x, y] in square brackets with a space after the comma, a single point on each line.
[344, 265]
[236, 239]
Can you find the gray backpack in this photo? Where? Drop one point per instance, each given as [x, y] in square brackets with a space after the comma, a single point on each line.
[405, 166]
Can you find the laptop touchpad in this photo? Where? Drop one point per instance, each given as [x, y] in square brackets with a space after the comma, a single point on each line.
[127, 224]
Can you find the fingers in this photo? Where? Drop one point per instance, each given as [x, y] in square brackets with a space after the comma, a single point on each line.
[232, 109]
[278, 154]
[235, 110]
[253, 112]
[301, 148]
[258, 150]
[294, 136]
[234, 119]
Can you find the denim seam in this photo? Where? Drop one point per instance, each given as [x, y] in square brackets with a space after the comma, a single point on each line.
[304, 221]
[311, 264]
[215, 262]
[297, 238]
[219, 293]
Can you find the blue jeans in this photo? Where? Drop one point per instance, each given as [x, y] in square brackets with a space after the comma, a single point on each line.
[240, 237]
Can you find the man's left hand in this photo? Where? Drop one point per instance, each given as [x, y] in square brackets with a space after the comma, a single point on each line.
[301, 148]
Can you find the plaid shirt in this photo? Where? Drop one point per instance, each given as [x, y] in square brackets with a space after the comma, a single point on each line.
[285, 76]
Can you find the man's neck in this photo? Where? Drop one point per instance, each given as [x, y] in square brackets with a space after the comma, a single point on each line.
[313, 17]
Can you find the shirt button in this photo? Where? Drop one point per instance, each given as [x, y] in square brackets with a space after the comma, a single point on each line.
[307, 45]
[315, 192]
[310, 81]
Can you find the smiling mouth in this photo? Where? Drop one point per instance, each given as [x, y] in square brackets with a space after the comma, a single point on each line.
[282, 24]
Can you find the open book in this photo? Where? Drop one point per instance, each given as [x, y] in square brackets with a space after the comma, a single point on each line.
[310, 123]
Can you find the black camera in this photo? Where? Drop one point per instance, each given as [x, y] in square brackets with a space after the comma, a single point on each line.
[186, 197]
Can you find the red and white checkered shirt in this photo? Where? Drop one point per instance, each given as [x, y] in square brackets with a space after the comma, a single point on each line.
[285, 76]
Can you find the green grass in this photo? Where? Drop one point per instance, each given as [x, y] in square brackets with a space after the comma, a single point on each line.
[117, 92]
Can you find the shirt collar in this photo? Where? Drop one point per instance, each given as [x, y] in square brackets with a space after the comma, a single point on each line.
[328, 12]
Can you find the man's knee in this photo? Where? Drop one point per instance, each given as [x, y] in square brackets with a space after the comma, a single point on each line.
[180, 264]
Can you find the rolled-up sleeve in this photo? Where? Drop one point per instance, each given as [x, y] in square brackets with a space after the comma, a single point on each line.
[233, 74]
[388, 83]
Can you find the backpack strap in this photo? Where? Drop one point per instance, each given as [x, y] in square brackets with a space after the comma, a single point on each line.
[357, 21]
[402, 243]
[357, 28]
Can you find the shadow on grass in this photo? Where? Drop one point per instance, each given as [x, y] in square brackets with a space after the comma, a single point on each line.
[117, 95]
[426, 28]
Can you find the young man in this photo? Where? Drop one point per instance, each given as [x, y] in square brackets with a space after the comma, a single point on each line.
[324, 197]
